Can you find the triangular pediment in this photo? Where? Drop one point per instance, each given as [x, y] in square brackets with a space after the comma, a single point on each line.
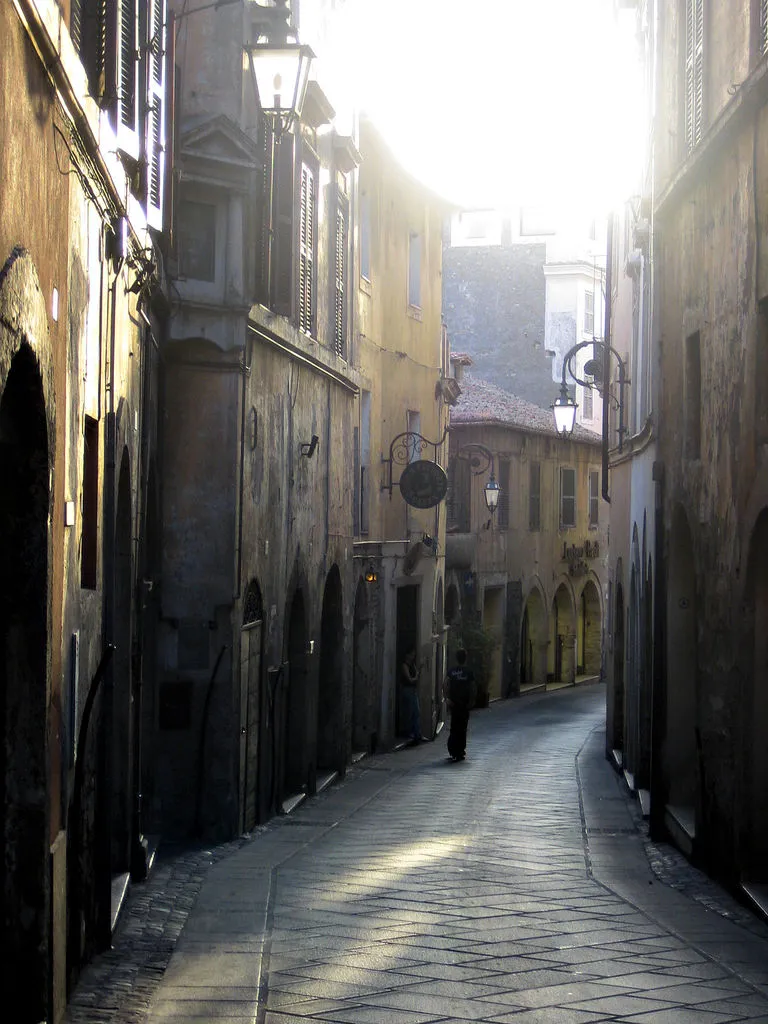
[220, 140]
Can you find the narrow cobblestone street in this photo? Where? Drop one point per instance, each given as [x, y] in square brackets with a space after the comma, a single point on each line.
[518, 886]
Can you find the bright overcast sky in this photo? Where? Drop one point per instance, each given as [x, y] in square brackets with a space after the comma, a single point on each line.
[500, 102]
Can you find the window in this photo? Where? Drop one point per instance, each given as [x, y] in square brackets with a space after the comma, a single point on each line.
[365, 237]
[414, 427]
[534, 496]
[155, 130]
[594, 497]
[589, 312]
[503, 509]
[365, 457]
[197, 240]
[567, 498]
[587, 403]
[122, 45]
[460, 496]
[89, 544]
[761, 374]
[340, 276]
[414, 270]
[307, 233]
[694, 72]
[692, 396]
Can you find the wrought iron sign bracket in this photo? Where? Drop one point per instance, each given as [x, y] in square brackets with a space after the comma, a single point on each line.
[406, 448]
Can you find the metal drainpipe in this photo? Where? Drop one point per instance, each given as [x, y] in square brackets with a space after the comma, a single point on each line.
[104, 840]
[607, 356]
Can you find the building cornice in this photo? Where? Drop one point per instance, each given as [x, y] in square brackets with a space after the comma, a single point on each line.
[748, 98]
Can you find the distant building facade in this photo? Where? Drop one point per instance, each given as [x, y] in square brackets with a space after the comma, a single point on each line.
[521, 288]
[406, 392]
[532, 574]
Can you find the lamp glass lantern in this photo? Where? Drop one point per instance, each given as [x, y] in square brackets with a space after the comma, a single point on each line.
[492, 493]
[281, 73]
[564, 410]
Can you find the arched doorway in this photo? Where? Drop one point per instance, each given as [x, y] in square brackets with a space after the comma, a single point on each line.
[294, 737]
[364, 733]
[755, 763]
[250, 705]
[590, 631]
[618, 670]
[24, 504]
[330, 702]
[121, 739]
[680, 761]
[563, 656]
[533, 641]
[439, 661]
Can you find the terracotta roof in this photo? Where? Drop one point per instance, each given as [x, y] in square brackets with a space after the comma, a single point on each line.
[482, 402]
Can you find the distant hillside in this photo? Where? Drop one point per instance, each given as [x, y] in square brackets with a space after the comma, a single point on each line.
[494, 307]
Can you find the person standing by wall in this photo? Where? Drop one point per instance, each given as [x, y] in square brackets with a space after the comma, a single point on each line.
[459, 692]
[409, 687]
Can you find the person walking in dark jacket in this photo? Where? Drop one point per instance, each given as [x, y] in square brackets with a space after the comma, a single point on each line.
[459, 692]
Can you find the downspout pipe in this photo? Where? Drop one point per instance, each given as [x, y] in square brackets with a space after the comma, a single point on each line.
[607, 356]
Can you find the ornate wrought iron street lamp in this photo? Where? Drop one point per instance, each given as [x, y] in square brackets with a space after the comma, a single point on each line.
[596, 374]
[279, 65]
[481, 460]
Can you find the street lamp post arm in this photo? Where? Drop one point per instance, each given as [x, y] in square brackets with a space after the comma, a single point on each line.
[405, 448]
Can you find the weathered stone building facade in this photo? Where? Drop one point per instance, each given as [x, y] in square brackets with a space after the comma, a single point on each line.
[697, 257]
[531, 574]
[82, 308]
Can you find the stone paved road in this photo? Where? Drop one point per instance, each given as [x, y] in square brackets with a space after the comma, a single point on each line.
[518, 886]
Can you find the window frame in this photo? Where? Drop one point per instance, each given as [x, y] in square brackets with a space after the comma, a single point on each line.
[594, 498]
[414, 269]
[589, 312]
[564, 523]
[534, 497]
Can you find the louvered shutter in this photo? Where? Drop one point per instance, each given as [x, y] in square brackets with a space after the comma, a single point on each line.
[88, 28]
[155, 127]
[125, 85]
[763, 27]
[261, 210]
[282, 277]
[307, 229]
[694, 72]
[341, 241]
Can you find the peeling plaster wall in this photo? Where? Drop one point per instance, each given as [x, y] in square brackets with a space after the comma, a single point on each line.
[712, 273]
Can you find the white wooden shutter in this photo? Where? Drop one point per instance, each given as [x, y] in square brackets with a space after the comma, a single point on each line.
[308, 199]
[126, 76]
[155, 126]
[694, 72]
[763, 27]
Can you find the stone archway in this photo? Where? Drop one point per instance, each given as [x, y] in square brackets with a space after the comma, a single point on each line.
[533, 641]
[122, 706]
[590, 631]
[24, 506]
[330, 701]
[618, 670]
[755, 752]
[562, 662]
[680, 757]
[251, 705]
[364, 732]
[294, 711]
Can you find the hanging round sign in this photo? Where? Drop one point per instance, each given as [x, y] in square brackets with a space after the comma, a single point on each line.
[423, 484]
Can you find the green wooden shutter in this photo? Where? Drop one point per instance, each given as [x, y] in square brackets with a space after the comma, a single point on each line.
[307, 248]
[156, 107]
[283, 245]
